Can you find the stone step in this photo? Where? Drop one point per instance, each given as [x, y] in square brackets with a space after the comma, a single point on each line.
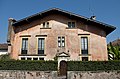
[62, 77]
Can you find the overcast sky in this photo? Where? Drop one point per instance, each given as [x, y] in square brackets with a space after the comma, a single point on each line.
[107, 11]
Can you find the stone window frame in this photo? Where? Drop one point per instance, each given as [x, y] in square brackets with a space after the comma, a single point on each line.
[84, 45]
[61, 41]
[23, 37]
[85, 55]
[31, 56]
[42, 41]
[46, 24]
[37, 37]
[71, 23]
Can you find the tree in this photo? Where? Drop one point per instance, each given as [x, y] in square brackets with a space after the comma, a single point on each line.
[113, 52]
[5, 57]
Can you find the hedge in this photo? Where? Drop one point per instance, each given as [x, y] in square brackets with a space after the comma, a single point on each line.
[52, 65]
[93, 65]
[28, 65]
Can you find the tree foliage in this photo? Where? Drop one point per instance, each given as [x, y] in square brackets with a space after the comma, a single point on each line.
[5, 57]
[113, 52]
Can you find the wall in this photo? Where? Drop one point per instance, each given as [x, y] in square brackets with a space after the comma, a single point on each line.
[13, 74]
[94, 75]
[2, 52]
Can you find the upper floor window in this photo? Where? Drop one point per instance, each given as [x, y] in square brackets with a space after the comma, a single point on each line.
[84, 45]
[41, 45]
[61, 41]
[24, 46]
[71, 24]
[45, 24]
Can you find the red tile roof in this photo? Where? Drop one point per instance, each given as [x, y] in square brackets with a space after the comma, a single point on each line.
[4, 46]
[116, 42]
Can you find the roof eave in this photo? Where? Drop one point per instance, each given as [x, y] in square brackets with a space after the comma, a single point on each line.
[108, 28]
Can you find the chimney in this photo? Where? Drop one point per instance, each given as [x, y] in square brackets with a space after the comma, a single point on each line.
[93, 17]
[11, 20]
[10, 29]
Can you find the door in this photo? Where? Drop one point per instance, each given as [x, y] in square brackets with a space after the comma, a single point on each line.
[63, 68]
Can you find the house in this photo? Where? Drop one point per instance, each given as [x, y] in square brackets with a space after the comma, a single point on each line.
[116, 42]
[57, 33]
[3, 49]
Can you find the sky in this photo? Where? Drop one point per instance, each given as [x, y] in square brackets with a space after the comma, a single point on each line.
[106, 11]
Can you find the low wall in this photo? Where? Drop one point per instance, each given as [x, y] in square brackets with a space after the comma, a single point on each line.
[94, 75]
[16, 74]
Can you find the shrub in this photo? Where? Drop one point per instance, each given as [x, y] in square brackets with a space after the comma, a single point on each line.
[93, 65]
[28, 65]
[52, 65]
[5, 57]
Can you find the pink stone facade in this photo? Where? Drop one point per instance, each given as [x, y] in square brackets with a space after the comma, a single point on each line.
[58, 26]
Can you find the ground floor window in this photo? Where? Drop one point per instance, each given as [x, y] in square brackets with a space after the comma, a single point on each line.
[41, 58]
[31, 58]
[22, 58]
[84, 58]
[35, 58]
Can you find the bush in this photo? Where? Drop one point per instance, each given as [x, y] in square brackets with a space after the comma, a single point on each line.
[28, 65]
[5, 57]
[52, 65]
[93, 65]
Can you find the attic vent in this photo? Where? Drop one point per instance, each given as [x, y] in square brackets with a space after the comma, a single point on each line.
[93, 17]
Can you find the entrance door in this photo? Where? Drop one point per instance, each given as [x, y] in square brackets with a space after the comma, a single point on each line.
[63, 68]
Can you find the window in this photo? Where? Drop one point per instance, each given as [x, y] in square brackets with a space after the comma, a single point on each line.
[61, 41]
[29, 58]
[24, 46]
[71, 24]
[41, 45]
[84, 45]
[22, 58]
[45, 24]
[35, 58]
[41, 58]
[84, 58]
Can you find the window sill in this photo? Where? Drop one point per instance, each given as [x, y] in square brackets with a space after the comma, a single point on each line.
[41, 36]
[45, 28]
[71, 28]
[25, 35]
[85, 55]
[61, 47]
[32, 54]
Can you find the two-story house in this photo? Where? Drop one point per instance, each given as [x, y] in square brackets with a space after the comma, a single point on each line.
[57, 33]
[3, 49]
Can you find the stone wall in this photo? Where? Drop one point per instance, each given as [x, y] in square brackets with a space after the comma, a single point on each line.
[94, 75]
[13, 74]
